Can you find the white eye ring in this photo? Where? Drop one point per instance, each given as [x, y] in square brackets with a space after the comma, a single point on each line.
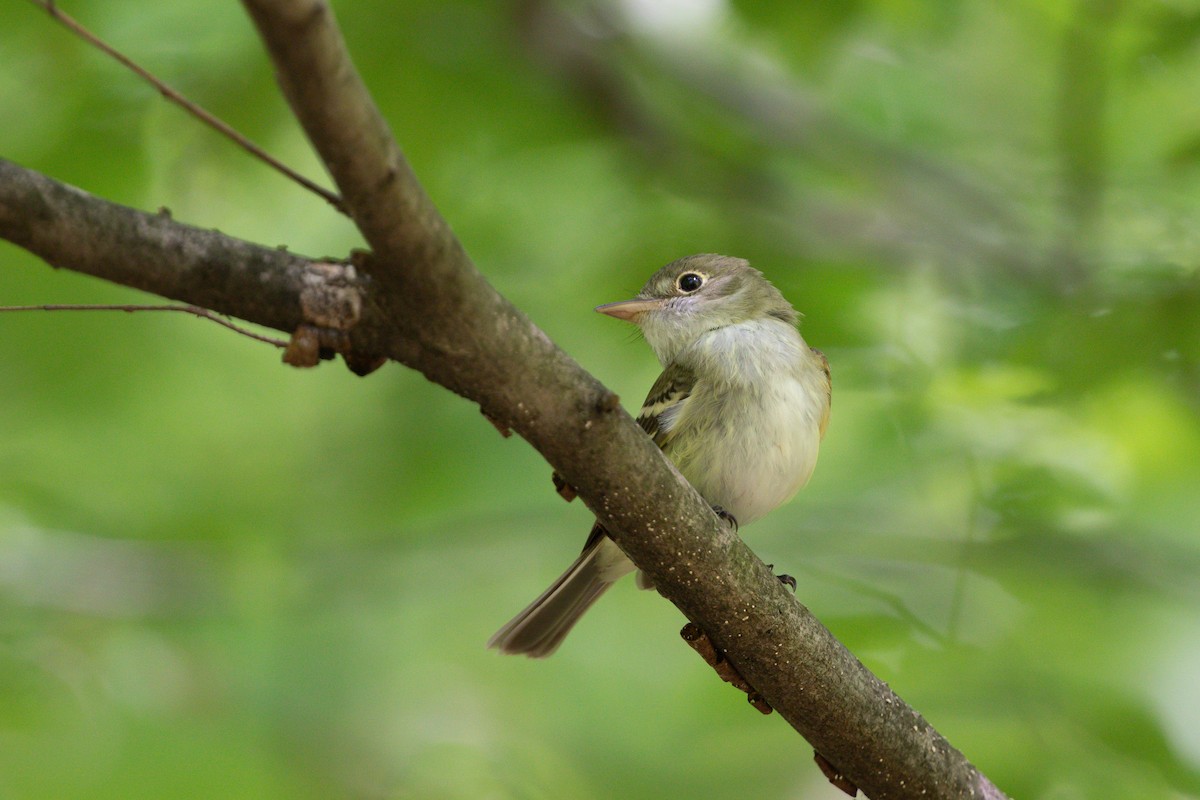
[689, 282]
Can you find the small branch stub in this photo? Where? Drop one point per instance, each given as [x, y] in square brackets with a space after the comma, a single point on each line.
[331, 297]
[565, 490]
[505, 431]
[698, 640]
[834, 775]
[304, 348]
[331, 301]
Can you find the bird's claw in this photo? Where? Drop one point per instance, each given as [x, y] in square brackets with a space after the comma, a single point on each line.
[786, 580]
[726, 517]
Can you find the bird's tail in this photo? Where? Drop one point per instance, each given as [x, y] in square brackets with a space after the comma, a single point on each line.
[541, 627]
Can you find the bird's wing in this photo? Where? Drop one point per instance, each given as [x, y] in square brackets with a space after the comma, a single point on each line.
[667, 398]
[824, 363]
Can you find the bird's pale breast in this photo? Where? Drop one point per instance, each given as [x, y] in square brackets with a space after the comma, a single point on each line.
[747, 437]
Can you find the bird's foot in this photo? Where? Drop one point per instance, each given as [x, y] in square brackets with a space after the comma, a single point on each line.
[728, 518]
[786, 580]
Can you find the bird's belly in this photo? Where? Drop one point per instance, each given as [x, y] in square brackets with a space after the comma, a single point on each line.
[764, 449]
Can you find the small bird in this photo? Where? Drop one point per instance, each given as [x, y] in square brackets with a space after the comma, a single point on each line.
[741, 408]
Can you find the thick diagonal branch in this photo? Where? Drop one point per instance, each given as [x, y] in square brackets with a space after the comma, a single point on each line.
[501, 360]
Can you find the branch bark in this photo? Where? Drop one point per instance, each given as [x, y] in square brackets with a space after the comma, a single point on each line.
[425, 305]
[69, 228]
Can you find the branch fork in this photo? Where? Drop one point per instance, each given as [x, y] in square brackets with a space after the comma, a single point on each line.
[432, 310]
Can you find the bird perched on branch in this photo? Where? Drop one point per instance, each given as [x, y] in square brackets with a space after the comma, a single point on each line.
[740, 408]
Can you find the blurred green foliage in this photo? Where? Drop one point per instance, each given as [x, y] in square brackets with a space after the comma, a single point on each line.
[224, 578]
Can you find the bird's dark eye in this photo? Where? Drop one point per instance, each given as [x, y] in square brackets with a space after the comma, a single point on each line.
[690, 282]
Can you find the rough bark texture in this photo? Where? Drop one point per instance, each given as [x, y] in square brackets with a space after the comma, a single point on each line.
[426, 306]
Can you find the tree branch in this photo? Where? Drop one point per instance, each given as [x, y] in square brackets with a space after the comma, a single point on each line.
[70, 228]
[427, 306]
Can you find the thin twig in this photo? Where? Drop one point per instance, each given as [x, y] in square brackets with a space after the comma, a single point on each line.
[195, 311]
[187, 105]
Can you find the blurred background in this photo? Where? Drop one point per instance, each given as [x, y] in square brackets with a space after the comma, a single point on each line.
[221, 577]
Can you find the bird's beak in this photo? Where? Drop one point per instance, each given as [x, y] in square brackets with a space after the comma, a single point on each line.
[629, 310]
